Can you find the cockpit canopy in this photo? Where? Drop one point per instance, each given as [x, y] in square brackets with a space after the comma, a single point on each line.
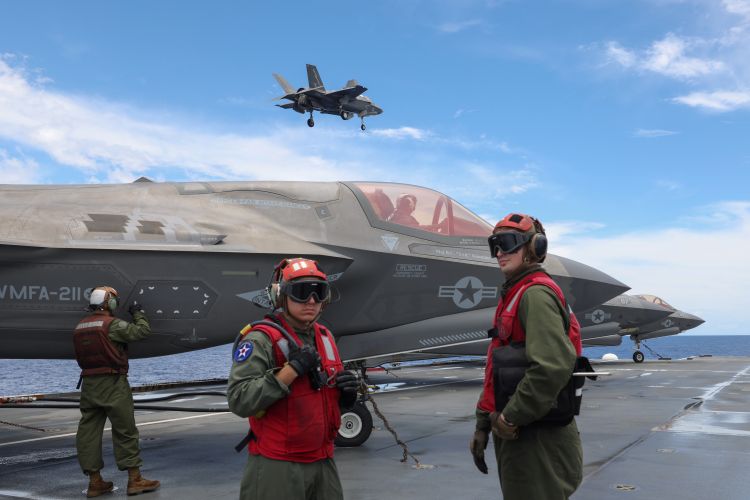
[406, 208]
[656, 300]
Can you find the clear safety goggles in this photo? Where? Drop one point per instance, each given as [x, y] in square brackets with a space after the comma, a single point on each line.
[507, 242]
[301, 291]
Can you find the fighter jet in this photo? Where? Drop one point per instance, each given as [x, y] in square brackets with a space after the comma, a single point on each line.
[676, 322]
[345, 102]
[600, 325]
[199, 256]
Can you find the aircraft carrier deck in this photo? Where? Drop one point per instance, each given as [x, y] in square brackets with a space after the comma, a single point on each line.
[658, 430]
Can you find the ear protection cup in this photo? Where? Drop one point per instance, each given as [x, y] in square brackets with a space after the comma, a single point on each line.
[112, 304]
[538, 243]
[538, 246]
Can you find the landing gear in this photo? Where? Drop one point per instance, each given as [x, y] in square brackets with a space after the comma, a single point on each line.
[345, 115]
[638, 356]
[310, 121]
[362, 127]
[356, 426]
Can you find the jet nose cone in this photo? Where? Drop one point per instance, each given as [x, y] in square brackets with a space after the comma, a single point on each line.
[584, 286]
[690, 320]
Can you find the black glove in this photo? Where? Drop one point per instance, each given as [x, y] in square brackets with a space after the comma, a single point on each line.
[477, 445]
[347, 383]
[134, 308]
[303, 359]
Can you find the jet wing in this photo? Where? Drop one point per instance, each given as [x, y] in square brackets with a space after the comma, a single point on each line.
[288, 105]
[350, 92]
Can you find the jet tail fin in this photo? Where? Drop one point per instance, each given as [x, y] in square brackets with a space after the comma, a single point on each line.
[288, 89]
[351, 83]
[313, 77]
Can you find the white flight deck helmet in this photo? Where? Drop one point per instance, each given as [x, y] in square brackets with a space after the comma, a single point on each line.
[104, 298]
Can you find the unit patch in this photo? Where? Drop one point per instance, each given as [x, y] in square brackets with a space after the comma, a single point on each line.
[243, 351]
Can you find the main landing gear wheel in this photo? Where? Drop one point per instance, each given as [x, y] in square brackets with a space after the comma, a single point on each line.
[638, 357]
[363, 127]
[310, 122]
[356, 426]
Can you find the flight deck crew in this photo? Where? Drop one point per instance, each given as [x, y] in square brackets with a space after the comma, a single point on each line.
[101, 351]
[526, 398]
[287, 377]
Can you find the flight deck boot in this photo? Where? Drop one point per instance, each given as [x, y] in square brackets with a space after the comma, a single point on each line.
[97, 485]
[139, 484]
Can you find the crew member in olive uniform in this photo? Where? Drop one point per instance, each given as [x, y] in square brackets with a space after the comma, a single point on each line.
[287, 377]
[538, 457]
[101, 351]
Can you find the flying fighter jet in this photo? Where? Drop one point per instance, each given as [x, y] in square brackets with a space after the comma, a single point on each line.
[345, 102]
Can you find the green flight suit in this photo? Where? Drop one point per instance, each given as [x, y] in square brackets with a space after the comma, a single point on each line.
[109, 396]
[253, 387]
[546, 461]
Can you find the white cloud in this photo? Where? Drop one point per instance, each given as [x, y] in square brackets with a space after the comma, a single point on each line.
[651, 133]
[668, 185]
[18, 170]
[617, 53]
[402, 133]
[700, 267]
[740, 7]
[456, 27]
[668, 57]
[716, 101]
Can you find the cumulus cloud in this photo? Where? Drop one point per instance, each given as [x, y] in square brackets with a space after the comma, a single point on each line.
[651, 133]
[698, 258]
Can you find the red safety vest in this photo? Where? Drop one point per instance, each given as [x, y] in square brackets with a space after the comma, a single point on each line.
[300, 427]
[95, 352]
[510, 330]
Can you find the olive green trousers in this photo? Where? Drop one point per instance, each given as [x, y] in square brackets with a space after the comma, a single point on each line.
[267, 479]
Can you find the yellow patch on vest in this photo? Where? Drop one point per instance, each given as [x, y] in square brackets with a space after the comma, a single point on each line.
[246, 330]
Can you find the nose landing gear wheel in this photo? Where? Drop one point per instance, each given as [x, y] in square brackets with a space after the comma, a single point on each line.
[362, 127]
[356, 426]
[310, 122]
[638, 357]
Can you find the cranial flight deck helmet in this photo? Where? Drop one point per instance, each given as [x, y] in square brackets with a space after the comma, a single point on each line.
[104, 298]
[524, 230]
[299, 279]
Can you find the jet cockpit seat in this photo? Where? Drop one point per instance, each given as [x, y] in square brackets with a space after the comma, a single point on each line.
[381, 204]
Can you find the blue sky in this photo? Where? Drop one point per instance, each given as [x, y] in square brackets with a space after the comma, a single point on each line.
[623, 125]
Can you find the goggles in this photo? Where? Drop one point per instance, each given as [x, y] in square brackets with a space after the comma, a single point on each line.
[301, 291]
[507, 242]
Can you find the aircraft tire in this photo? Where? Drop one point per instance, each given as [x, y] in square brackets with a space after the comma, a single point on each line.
[356, 426]
[638, 357]
[362, 127]
[310, 122]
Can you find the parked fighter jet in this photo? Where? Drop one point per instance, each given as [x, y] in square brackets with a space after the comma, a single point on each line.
[600, 325]
[676, 322]
[345, 102]
[198, 255]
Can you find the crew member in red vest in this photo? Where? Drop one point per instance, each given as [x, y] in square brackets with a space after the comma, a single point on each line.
[101, 345]
[288, 379]
[525, 401]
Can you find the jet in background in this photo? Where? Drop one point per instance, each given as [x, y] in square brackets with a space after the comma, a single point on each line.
[603, 324]
[345, 102]
[676, 322]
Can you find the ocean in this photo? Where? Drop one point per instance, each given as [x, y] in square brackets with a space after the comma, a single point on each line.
[44, 376]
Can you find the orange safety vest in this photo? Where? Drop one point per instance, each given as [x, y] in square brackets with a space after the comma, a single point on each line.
[300, 427]
[509, 329]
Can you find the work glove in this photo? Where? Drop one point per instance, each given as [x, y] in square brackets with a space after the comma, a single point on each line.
[347, 383]
[477, 445]
[135, 307]
[303, 359]
[502, 428]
